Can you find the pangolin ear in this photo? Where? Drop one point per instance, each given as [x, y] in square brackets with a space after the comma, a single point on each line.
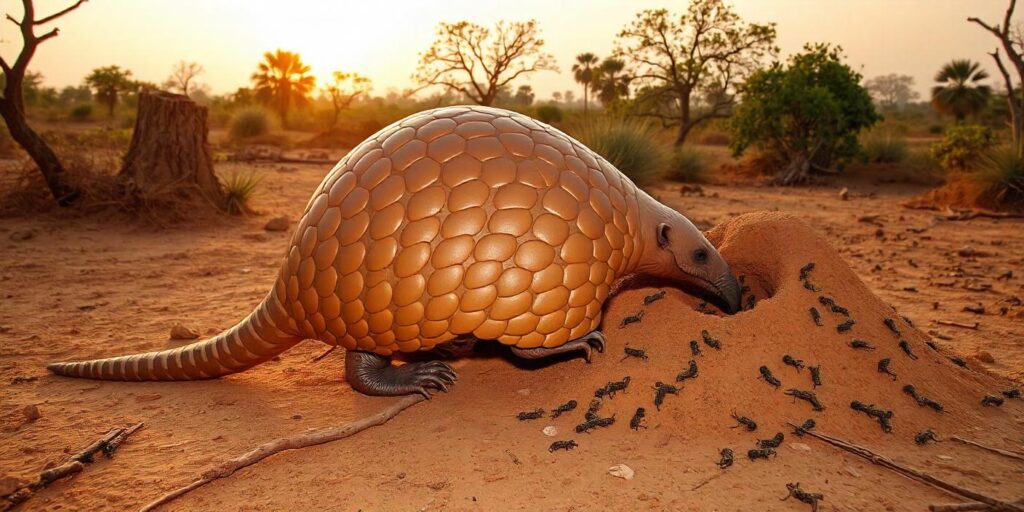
[663, 235]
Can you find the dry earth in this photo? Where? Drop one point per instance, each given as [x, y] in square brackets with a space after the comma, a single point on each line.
[83, 288]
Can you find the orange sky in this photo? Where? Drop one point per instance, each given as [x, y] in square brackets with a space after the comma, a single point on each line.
[382, 39]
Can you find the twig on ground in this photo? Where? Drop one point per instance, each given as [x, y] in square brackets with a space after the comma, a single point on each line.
[951, 323]
[915, 474]
[1005, 453]
[963, 507]
[325, 354]
[304, 440]
[108, 444]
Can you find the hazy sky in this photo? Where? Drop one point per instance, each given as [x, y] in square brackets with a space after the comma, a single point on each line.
[382, 39]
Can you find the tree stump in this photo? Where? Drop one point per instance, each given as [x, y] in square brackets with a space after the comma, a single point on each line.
[169, 160]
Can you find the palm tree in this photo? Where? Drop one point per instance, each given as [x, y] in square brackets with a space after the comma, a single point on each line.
[583, 73]
[283, 80]
[608, 83]
[960, 92]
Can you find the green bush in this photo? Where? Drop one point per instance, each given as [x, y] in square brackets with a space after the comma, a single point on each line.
[885, 148]
[250, 122]
[630, 145]
[687, 165]
[1001, 173]
[239, 188]
[81, 112]
[963, 147]
[549, 114]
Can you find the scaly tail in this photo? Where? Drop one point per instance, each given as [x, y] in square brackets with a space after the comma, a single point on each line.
[265, 333]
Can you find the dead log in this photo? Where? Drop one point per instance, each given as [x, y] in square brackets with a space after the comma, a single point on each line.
[107, 444]
[169, 158]
[295, 442]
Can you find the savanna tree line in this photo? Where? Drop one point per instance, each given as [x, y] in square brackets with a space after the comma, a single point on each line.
[681, 71]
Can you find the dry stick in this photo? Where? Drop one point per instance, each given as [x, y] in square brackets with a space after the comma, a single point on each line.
[325, 354]
[963, 507]
[1007, 453]
[305, 440]
[108, 444]
[973, 326]
[909, 472]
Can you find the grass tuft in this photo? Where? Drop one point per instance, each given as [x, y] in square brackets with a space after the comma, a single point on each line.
[631, 146]
[239, 188]
[687, 165]
[250, 122]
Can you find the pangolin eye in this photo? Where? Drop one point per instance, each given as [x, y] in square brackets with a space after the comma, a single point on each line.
[700, 255]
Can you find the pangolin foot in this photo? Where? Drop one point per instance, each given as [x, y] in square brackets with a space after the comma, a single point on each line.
[374, 374]
[587, 343]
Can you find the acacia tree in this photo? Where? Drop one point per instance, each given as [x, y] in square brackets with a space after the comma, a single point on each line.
[12, 105]
[892, 90]
[182, 76]
[583, 73]
[807, 113]
[1012, 44]
[282, 79]
[479, 63]
[675, 58]
[342, 91]
[108, 84]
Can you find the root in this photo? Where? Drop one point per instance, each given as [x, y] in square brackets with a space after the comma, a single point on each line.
[269, 448]
[108, 444]
[915, 474]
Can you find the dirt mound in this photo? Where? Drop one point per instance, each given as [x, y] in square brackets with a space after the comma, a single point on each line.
[961, 191]
[466, 450]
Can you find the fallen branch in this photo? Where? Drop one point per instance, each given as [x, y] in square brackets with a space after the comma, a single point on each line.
[915, 474]
[1006, 453]
[951, 323]
[108, 444]
[304, 440]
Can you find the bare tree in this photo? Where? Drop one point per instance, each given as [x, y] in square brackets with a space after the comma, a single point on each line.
[892, 90]
[673, 59]
[182, 76]
[477, 62]
[342, 91]
[12, 105]
[1013, 46]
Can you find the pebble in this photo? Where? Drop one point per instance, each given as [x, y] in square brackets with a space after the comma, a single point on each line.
[622, 471]
[944, 457]
[31, 413]
[523, 392]
[800, 446]
[986, 357]
[180, 332]
[550, 431]
[277, 224]
[844, 194]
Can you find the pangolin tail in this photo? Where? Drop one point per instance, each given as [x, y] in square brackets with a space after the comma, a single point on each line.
[258, 338]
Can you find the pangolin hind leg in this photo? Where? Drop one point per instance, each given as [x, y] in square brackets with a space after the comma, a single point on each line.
[586, 343]
[373, 374]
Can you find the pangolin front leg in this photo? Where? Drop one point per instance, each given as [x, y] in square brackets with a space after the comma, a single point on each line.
[373, 374]
[586, 343]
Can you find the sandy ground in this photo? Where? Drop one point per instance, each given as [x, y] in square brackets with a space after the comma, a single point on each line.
[86, 288]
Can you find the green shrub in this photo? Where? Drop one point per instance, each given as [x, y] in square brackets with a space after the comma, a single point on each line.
[963, 146]
[549, 114]
[250, 122]
[885, 148]
[239, 187]
[1001, 173]
[82, 112]
[630, 145]
[687, 165]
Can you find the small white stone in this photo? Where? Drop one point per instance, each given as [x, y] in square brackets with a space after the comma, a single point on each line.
[550, 431]
[524, 391]
[621, 471]
[800, 446]
[945, 457]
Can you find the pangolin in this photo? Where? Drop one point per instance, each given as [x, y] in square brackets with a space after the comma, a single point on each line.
[461, 222]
